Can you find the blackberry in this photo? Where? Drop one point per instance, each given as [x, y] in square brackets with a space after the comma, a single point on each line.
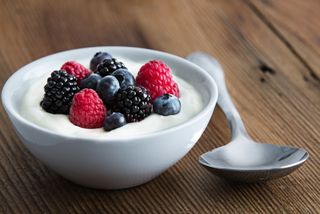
[108, 66]
[59, 91]
[134, 102]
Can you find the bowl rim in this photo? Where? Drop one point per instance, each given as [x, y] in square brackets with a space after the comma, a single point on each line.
[8, 106]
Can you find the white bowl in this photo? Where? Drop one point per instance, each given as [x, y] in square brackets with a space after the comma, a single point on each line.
[103, 163]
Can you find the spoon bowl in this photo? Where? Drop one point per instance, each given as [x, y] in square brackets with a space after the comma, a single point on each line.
[247, 161]
[243, 159]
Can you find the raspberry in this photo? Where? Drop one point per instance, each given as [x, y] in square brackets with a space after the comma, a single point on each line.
[87, 109]
[156, 76]
[75, 68]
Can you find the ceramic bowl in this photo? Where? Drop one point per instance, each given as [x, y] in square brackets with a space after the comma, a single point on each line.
[103, 163]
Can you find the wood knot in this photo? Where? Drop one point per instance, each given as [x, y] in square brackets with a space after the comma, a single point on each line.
[262, 79]
[266, 69]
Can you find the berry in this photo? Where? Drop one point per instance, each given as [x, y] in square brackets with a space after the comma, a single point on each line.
[91, 81]
[124, 77]
[107, 88]
[59, 91]
[75, 68]
[156, 76]
[115, 120]
[134, 103]
[98, 58]
[166, 104]
[108, 66]
[87, 109]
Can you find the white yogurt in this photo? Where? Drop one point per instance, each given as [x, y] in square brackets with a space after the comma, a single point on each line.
[191, 104]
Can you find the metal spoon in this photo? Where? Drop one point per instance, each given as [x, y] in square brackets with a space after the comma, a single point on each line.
[243, 159]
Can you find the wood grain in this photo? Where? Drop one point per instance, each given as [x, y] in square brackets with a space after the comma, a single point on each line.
[296, 24]
[272, 70]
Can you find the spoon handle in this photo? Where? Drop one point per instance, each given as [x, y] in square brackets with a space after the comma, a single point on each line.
[213, 67]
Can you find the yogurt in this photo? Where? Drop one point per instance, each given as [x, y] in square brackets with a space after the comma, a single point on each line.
[190, 98]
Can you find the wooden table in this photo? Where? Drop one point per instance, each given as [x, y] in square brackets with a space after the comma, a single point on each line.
[270, 50]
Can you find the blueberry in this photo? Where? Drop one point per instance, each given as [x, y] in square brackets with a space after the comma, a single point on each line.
[113, 121]
[98, 58]
[107, 88]
[91, 81]
[124, 77]
[166, 104]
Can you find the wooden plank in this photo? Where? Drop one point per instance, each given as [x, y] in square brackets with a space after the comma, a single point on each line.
[265, 78]
[296, 22]
[298, 33]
